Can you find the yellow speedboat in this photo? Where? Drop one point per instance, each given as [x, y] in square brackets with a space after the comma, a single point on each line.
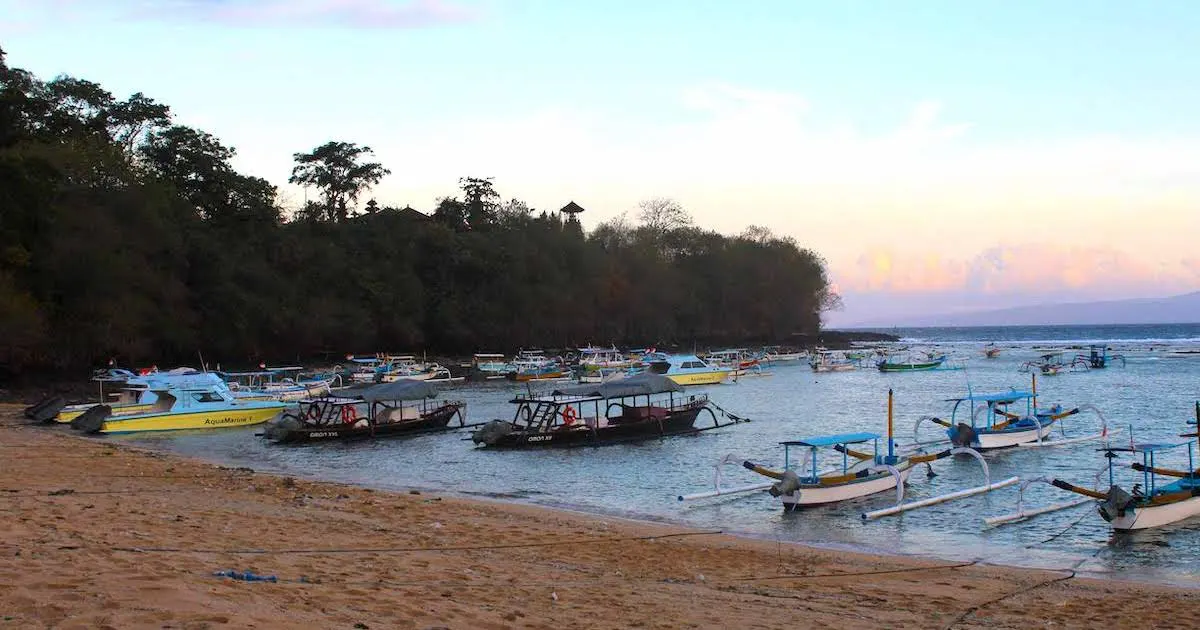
[688, 369]
[203, 402]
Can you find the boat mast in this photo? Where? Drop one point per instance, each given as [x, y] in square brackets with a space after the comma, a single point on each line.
[891, 458]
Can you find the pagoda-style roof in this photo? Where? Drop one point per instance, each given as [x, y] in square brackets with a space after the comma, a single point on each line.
[572, 208]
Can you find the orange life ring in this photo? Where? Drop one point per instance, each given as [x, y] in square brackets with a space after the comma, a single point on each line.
[349, 415]
[569, 416]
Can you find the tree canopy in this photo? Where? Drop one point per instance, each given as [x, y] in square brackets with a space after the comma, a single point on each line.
[126, 234]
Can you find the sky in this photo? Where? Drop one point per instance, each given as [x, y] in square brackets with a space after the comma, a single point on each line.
[941, 156]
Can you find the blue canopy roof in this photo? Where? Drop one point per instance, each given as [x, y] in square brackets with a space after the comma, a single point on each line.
[1000, 397]
[831, 440]
[1148, 447]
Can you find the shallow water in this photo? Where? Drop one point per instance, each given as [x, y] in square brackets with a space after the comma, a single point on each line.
[1152, 393]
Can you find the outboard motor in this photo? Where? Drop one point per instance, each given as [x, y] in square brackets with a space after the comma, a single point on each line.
[92, 420]
[279, 430]
[491, 432]
[46, 409]
[963, 435]
[787, 484]
[1116, 505]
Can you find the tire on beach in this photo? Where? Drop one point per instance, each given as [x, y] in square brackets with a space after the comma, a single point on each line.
[46, 409]
[92, 420]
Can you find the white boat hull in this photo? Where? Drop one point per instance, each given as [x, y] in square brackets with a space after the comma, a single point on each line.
[1157, 516]
[1006, 439]
[819, 495]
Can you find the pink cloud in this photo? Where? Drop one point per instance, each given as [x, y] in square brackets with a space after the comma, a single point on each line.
[1036, 268]
[382, 14]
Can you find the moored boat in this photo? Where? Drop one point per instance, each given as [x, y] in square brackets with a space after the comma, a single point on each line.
[384, 410]
[1148, 505]
[802, 483]
[997, 421]
[641, 407]
[908, 363]
[203, 403]
[688, 369]
[831, 361]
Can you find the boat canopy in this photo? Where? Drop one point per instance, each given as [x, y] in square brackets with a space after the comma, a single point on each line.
[1001, 397]
[833, 440]
[403, 389]
[1146, 448]
[642, 384]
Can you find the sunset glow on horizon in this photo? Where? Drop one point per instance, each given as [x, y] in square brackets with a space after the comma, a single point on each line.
[940, 156]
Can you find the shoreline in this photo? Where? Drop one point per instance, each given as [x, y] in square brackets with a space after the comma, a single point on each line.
[81, 509]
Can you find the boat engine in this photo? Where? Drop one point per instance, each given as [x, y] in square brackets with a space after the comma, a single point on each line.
[46, 409]
[278, 430]
[491, 432]
[1116, 504]
[788, 483]
[92, 420]
[963, 435]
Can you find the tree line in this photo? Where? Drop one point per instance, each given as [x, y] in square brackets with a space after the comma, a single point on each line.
[125, 234]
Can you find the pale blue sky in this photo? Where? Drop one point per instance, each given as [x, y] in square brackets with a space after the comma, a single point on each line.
[940, 130]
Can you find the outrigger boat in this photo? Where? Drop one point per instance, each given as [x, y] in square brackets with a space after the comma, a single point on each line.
[1098, 358]
[831, 361]
[931, 361]
[688, 369]
[385, 410]
[490, 366]
[643, 406]
[1001, 427]
[778, 354]
[991, 351]
[1051, 364]
[272, 384]
[1146, 506]
[802, 484]
[204, 402]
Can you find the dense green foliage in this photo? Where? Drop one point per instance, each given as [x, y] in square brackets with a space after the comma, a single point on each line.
[123, 234]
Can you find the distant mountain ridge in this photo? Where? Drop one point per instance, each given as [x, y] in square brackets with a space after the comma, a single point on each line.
[1178, 309]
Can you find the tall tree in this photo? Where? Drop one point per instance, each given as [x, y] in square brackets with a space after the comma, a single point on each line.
[337, 169]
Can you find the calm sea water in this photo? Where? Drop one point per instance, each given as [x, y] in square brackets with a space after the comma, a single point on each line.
[1154, 393]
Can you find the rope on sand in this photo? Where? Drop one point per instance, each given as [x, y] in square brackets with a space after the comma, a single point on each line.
[857, 573]
[974, 609]
[556, 543]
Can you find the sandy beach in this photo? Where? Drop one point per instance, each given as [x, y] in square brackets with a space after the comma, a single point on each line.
[100, 535]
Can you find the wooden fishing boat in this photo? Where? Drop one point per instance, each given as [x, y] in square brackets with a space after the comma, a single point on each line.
[991, 351]
[487, 366]
[640, 407]
[1148, 505]
[1098, 358]
[802, 483]
[909, 364]
[997, 422]
[276, 384]
[831, 361]
[392, 409]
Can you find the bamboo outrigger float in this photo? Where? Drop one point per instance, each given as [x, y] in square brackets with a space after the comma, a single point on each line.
[1001, 427]
[802, 484]
[640, 407]
[1146, 506]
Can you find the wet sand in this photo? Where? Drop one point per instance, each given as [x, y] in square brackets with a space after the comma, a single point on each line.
[94, 534]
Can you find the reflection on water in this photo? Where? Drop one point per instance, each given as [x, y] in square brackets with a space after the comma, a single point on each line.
[643, 480]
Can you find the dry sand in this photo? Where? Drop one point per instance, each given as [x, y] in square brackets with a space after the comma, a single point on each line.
[97, 535]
